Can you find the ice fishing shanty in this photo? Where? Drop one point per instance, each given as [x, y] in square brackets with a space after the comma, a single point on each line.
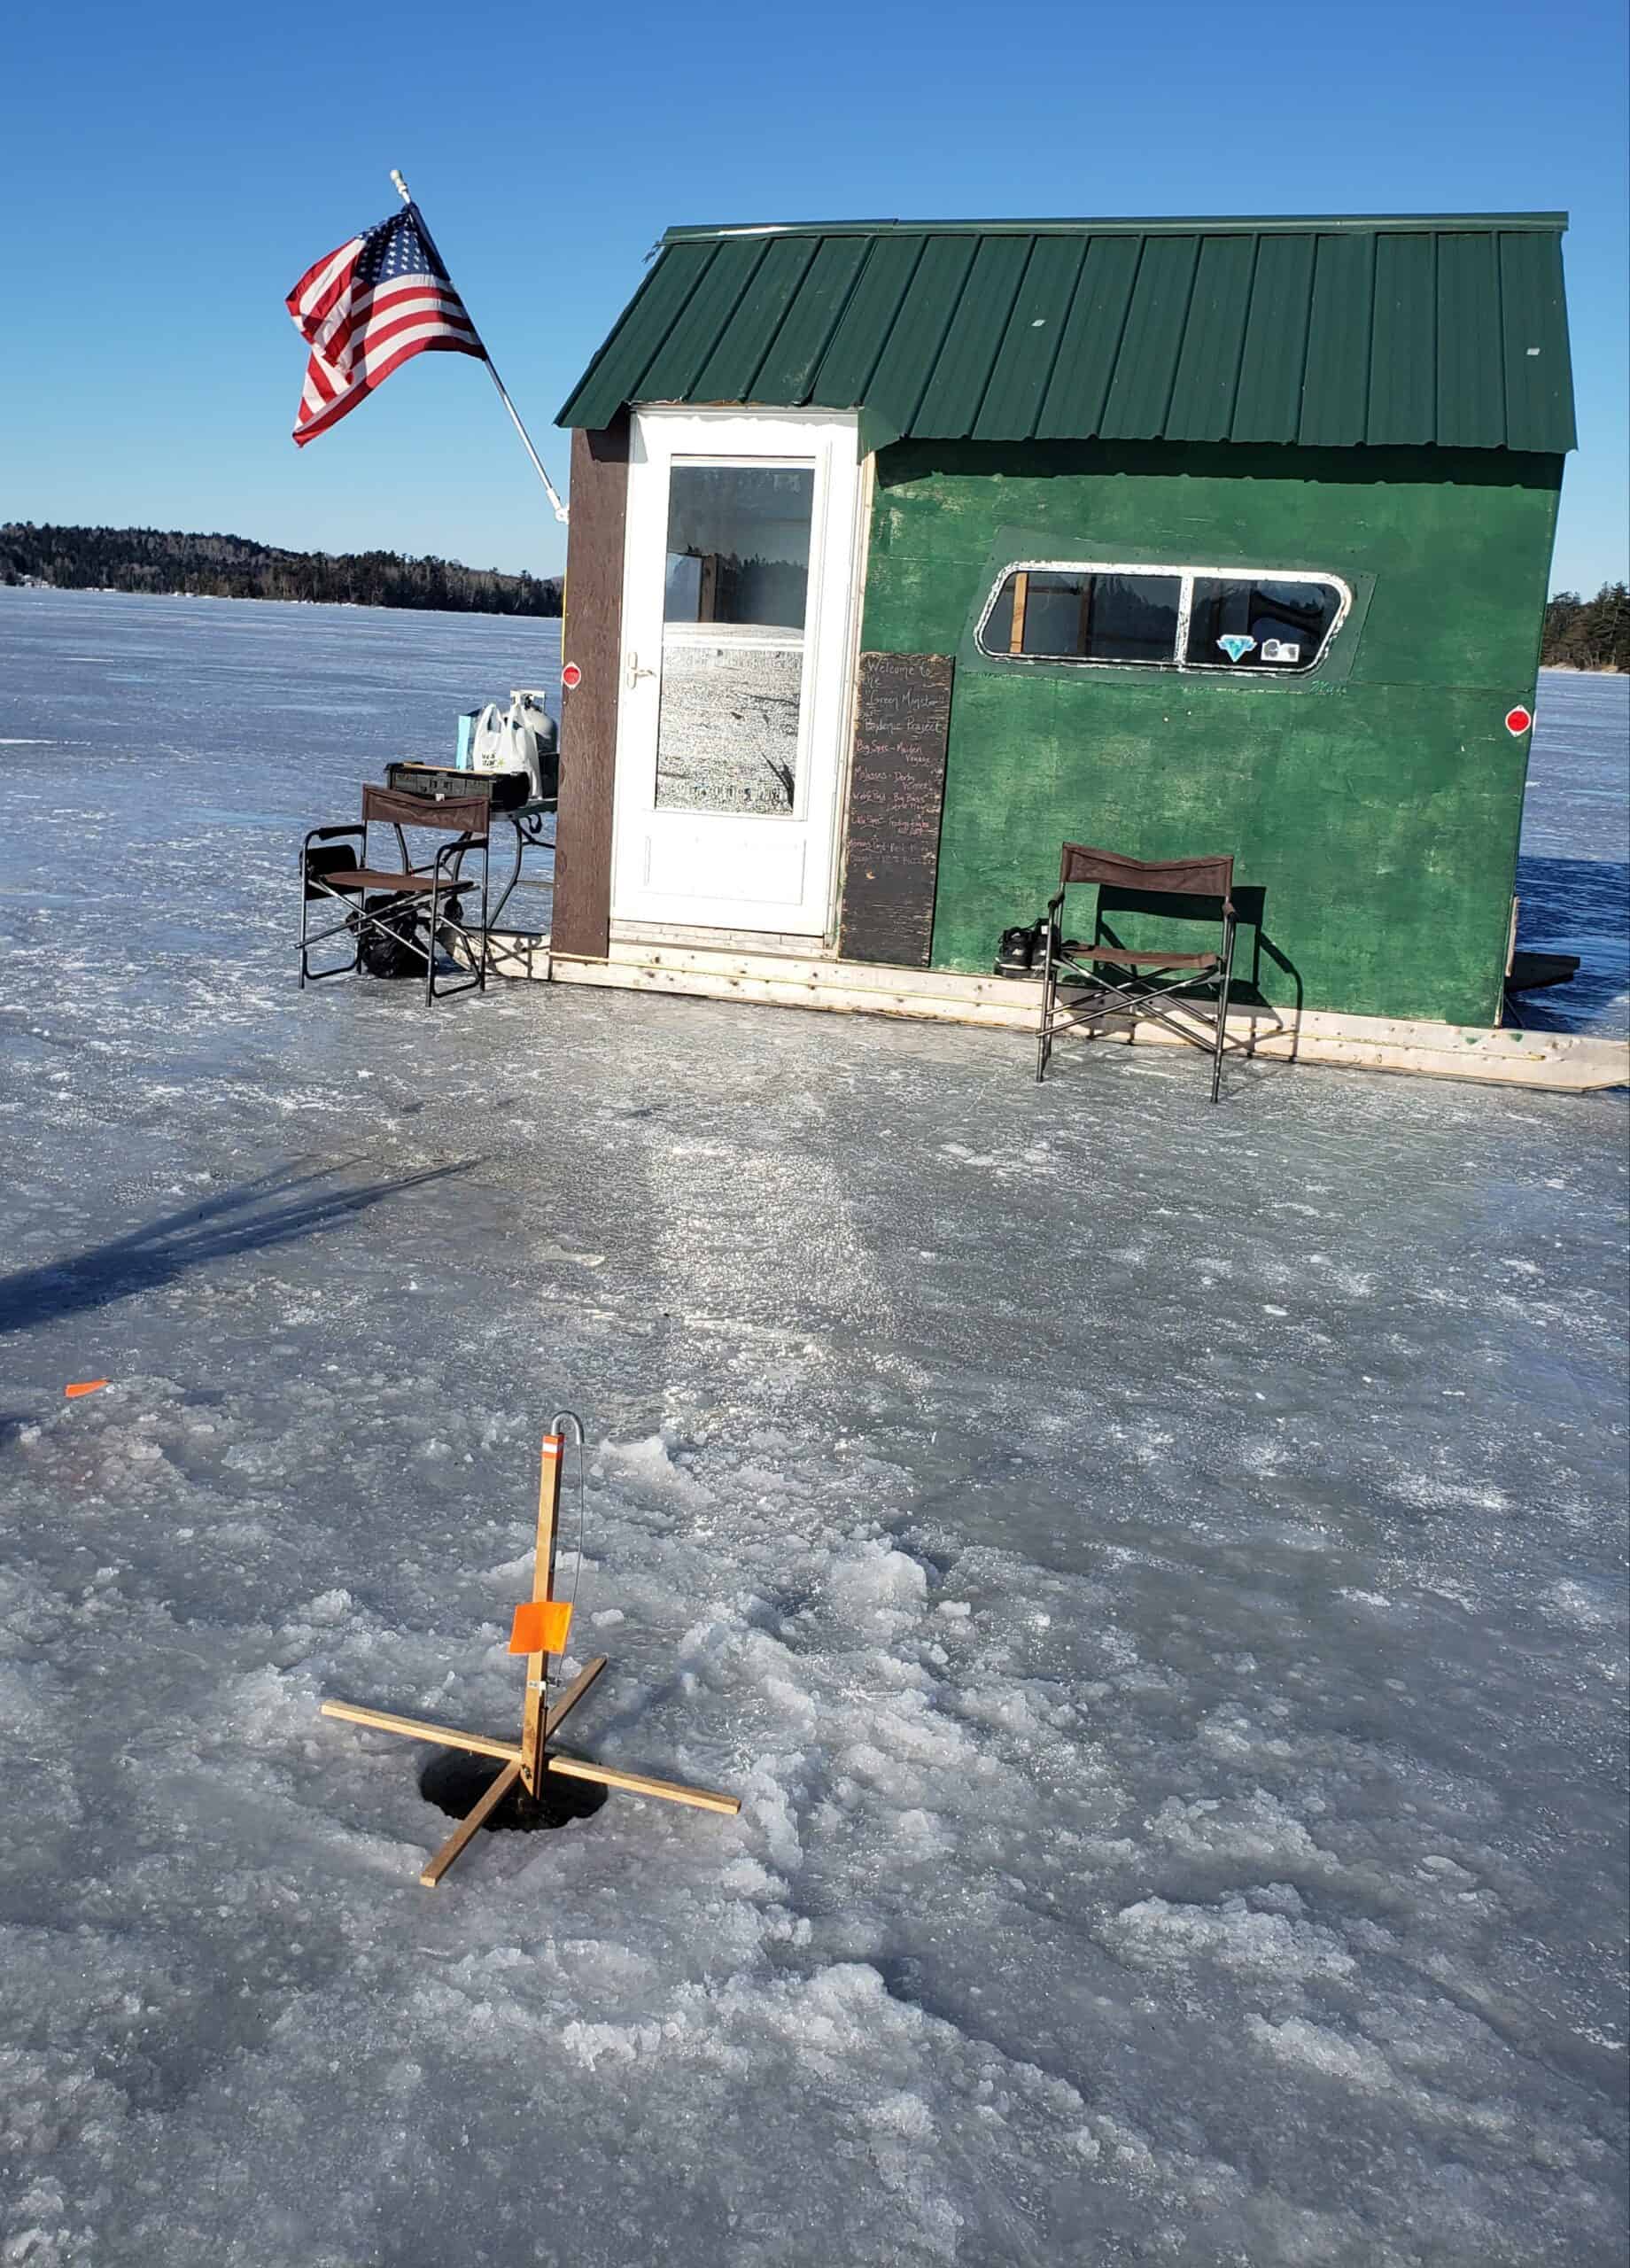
[901, 553]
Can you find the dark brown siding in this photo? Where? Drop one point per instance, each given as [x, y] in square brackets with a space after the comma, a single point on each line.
[593, 641]
[896, 796]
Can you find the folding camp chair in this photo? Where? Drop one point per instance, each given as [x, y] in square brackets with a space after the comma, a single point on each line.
[1185, 991]
[404, 907]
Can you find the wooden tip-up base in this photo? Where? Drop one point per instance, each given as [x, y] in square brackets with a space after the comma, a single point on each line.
[569, 1767]
[527, 1759]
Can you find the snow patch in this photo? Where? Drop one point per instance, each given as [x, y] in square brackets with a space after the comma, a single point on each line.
[1315, 2048]
[648, 1467]
[873, 1583]
[1271, 1947]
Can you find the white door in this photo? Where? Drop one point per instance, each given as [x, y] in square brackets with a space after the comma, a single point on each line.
[737, 606]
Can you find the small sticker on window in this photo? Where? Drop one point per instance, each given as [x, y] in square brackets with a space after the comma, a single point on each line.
[1236, 644]
[1280, 649]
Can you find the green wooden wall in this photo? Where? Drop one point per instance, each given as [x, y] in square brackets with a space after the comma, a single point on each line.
[1375, 804]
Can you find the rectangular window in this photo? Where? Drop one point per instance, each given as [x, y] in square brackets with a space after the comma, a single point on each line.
[738, 544]
[1178, 618]
[1238, 622]
[1071, 617]
[735, 596]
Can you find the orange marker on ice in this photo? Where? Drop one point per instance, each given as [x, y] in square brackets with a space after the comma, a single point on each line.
[85, 1386]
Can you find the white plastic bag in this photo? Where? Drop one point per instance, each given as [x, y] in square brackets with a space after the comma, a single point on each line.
[520, 738]
[486, 740]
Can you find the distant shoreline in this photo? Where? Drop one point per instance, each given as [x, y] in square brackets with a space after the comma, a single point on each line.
[160, 563]
[261, 598]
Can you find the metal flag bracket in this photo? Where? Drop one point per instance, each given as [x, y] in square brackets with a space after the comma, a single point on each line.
[527, 1760]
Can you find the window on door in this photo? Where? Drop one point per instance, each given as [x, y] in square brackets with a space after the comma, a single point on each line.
[738, 544]
[735, 596]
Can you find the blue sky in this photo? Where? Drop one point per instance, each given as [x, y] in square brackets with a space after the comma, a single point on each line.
[168, 171]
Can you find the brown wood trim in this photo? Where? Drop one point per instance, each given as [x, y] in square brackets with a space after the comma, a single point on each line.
[592, 639]
[897, 795]
[1022, 599]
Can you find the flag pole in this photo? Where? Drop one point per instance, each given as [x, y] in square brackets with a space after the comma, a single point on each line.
[560, 512]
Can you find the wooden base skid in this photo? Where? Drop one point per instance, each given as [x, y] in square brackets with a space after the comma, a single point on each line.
[510, 1752]
[1566, 1061]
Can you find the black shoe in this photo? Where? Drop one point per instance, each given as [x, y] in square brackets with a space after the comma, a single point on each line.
[1015, 956]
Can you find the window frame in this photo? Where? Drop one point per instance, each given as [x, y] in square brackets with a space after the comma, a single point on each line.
[1186, 576]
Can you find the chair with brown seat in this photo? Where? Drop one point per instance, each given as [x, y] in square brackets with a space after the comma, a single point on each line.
[1111, 983]
[401, 907]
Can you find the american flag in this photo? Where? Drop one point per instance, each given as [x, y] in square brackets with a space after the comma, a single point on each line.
[365, 308]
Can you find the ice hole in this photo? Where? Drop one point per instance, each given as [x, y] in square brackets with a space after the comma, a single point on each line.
[455, 1783]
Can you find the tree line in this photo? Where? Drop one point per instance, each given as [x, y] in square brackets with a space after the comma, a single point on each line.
[231, 567]
[1588, 633]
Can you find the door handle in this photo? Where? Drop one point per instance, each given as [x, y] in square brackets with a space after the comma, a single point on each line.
[633, 671]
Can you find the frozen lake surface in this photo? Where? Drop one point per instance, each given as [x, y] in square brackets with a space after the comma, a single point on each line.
[1573, 875]
[1155, 1576]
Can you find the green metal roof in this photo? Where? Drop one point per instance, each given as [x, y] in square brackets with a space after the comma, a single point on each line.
[1326, 331]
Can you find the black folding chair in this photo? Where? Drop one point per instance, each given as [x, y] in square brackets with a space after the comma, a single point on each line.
[419, 908]
[1109, 983]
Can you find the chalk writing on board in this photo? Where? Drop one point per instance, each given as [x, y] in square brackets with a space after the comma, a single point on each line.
[897, 792]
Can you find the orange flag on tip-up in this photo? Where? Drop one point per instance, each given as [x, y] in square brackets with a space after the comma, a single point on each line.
[540, 1626]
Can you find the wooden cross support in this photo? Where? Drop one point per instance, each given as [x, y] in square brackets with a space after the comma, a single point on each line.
[529, 1758]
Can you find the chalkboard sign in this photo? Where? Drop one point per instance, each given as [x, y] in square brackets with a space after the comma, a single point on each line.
[897, 793]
